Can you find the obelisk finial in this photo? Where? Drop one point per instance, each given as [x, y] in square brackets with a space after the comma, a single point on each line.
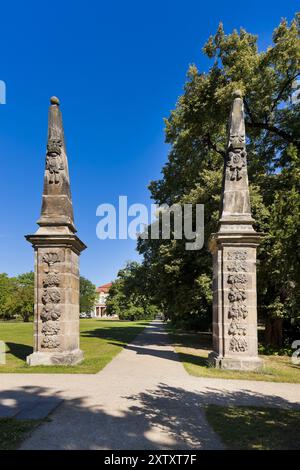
[236, 139]
[57, 209]
[54, 100]
[237, 94]
[235, 207]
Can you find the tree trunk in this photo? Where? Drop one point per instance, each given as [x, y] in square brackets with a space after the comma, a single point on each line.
[26, 317]
[273, 333]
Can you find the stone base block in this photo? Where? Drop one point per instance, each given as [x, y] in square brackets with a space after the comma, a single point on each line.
[67, 358]
[235, 363]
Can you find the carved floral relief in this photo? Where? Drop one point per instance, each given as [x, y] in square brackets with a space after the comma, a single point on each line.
[51, 298]
[237, 296]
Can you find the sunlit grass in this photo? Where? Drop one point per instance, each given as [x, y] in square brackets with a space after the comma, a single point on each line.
[255, 428]
[100, 341]
[193, 350]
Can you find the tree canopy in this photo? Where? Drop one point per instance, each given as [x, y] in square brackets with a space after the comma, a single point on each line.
[196, 131]
[88, 295]
[129, 297]
[17, 296]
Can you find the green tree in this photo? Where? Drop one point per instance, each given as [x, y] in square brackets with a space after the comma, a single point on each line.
[196, 132]
[129, 297]
[17, 296]
[22, 301]
[87, 295]
[6, 294]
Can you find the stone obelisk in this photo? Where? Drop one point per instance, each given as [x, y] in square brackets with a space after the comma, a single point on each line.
[234, 259]
[57, 249]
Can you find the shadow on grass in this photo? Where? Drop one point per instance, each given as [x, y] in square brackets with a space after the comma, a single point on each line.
[195, 340]
[192, 359]
[107, 320]
[19, 350]
[177, 413]
[121, 334]
[143, 344]
[255, 428]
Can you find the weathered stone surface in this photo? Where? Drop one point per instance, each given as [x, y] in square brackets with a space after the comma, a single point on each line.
[56, 358]
[57, 209]
[235, 363]
[57, 250]
[235, 199]
[234, 260]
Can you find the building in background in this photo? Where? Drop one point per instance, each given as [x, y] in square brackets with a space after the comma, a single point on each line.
[100, 307]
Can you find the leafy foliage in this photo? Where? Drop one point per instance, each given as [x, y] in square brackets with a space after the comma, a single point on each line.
[87, 295]
[6, 295]
[129, 297]
[17, 296]
[196, 131]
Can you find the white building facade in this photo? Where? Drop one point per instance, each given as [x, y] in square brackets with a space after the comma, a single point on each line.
[100, 307]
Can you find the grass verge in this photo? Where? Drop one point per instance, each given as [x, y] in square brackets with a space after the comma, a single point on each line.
[14, 431]
[255, 428]
[193, 350]
[100, 340]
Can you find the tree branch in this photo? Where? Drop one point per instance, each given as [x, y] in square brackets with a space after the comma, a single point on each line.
[265, 125]
[287, 83]
[284, 135]
[210, 144]
[248, 110]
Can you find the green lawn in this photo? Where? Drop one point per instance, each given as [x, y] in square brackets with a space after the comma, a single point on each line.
[193, 350]
[13, 431]
[100, 341]
[255, 428]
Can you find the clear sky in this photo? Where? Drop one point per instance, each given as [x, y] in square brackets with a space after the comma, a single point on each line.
[118, 68]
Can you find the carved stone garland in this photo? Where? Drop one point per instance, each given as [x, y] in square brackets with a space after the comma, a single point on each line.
[237, 156]
[237, 312]
[51, 297]
[54, 162]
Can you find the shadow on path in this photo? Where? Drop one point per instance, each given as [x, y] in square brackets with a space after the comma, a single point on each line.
[167, 354]
[164, 417]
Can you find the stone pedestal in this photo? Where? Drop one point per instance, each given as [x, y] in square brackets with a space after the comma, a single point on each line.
[55, 358]
[234, 301]
[56, 323]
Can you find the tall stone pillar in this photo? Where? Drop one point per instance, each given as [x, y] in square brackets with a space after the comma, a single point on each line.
[57, 250]
[234, 259]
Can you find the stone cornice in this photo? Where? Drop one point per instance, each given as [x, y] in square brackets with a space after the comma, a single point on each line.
[67, 241]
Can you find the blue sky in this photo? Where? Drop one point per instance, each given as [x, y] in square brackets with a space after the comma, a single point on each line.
[118, 68]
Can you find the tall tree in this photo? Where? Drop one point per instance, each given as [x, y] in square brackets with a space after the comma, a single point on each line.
[88, 295]
[196, 131]
[21, 302]
[6, 294]
[129, 296]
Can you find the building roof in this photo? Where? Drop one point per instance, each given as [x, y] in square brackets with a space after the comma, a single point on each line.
[105, 288]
